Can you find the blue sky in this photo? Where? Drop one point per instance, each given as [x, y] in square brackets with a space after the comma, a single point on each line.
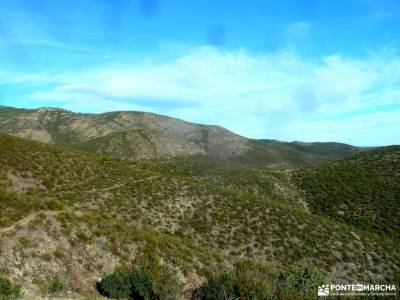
[313, 70]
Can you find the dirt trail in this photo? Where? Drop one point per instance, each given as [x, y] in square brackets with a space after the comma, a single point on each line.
[149, 178]
[286, 171]
[25, 221]
[31, 216]
[115, 186]
[124, 184]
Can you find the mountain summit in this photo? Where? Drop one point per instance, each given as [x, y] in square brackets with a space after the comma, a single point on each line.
[141, 135]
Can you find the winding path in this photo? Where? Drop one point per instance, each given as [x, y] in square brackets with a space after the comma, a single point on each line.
[31, 216]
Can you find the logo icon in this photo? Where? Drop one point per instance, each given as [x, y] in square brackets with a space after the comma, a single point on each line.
[323, 290]
[360, 287]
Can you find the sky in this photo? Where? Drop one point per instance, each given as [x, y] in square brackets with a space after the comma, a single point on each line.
[305, 70]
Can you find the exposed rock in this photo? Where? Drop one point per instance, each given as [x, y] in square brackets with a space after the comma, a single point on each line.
[139, 135]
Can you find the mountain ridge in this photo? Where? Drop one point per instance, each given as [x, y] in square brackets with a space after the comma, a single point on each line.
[141, 135]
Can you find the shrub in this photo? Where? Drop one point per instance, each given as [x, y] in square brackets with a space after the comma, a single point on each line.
[299, 283]
[146, 281]
[142, 285]
[52, 204]
[221, 287]
[51, 286]
[82, 236]
[55, 286]
[8, 290]
[25, 242]
[116, 285]
[167, 287]
[254, 282]
[247, 281]
[46, 257]
[142, 282]
[59, 253]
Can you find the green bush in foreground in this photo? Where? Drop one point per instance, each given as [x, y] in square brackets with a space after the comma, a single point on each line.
[116, 285]
[246, 281]
[299, 283]
[146, 282]
[8, 290]
[142, 284]
[221, 287]
[250, 282]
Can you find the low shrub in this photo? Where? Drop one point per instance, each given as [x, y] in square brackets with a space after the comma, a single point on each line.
[254, 281]
[51, 286]
[249, 281]
[246, 281]
[141, 284]
[8, 290]
[55, 286]
[299, 283]
[167, 287]
[221, 287]
[24, 242]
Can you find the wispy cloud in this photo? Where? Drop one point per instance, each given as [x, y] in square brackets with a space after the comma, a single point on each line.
[298, 30]
[269, 95]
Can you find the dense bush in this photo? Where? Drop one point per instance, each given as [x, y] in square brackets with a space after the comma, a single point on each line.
[144, 282]
[250, 282]
[167, 287]
[246, 281]
[116, 285]
[221, 287]
[141, 284]
[8, 290]
[299, 283]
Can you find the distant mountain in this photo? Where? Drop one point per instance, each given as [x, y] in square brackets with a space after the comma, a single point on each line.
[139, 135]
[294, 154]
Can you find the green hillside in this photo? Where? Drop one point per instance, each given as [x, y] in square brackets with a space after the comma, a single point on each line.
[73, 214]
[362, 190]
[284, 155]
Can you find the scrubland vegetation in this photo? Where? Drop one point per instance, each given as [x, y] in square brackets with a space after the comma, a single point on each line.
[362, 190]
[189, 227]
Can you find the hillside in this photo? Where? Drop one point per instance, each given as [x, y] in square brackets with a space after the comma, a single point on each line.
[362, 190]
[285, 155]
[76, 215]
[139, 135]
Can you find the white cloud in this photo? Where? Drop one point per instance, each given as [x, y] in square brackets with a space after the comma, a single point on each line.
[256, 95]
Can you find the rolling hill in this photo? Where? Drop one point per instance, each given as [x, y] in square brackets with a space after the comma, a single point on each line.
[76, 215]
[362, 190]
[139, 135]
